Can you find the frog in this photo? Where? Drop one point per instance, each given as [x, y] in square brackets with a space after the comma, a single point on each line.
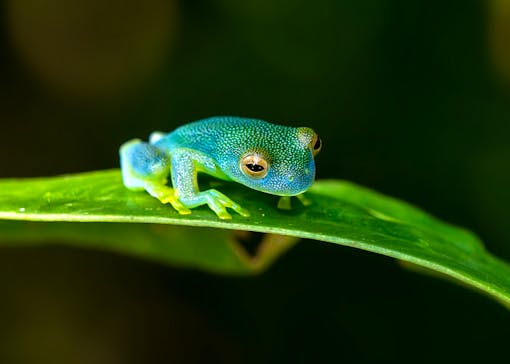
[267, 157]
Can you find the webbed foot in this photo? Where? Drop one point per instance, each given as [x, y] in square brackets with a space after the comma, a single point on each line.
[284, 203]
[217, 202]
[304, 200]
[167, 195]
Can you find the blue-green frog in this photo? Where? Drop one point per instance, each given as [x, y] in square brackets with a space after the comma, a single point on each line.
[270, 158]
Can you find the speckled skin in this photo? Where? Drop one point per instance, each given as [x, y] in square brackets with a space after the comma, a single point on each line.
[216, 146]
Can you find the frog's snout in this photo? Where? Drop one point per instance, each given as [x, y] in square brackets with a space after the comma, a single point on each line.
[298, 183]
[304, 176]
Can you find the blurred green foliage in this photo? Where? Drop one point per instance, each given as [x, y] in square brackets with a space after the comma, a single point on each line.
[410, 98]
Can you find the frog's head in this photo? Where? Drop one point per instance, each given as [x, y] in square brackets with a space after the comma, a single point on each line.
[280, 164]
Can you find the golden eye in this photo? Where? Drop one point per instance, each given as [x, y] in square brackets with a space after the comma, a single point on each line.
[254, 165]
[316, 144]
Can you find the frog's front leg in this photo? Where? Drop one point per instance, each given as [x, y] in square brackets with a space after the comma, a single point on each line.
[145, 167]
[184, 168]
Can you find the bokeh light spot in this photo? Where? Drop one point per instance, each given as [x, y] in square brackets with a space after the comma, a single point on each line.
[92, 48]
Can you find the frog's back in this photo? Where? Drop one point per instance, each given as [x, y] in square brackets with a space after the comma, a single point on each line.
[209, 134]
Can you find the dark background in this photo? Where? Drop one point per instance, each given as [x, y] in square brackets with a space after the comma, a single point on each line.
[411, 98]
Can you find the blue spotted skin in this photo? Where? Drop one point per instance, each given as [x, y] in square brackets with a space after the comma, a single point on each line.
[218, 146]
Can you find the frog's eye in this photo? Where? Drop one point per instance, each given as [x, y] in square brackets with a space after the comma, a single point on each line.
[316, 145]
[254, 165]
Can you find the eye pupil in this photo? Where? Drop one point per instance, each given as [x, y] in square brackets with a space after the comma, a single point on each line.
[254, 167]
[317, 144]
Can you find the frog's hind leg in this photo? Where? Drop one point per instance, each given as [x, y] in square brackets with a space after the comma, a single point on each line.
[141, 163]
[145, 167]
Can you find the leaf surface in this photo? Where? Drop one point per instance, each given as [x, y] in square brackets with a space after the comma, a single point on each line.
[341, 213]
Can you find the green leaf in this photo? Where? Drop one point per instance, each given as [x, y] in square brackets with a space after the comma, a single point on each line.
[340, 213]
